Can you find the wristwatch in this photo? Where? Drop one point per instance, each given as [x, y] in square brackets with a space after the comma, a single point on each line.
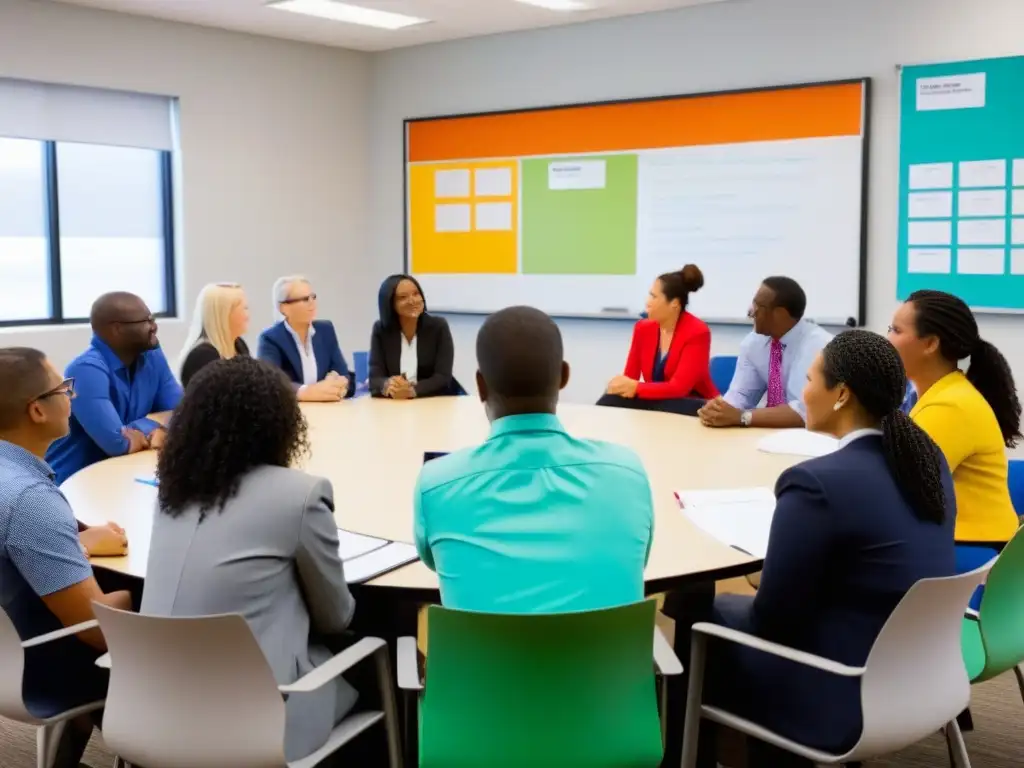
[746, 417]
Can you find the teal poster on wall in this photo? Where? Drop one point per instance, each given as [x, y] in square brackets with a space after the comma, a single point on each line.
[961, 222]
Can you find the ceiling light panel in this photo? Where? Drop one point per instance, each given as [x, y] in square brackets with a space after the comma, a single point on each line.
[349, 14]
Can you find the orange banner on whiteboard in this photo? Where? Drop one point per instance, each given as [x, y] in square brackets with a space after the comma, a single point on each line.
[800, 112]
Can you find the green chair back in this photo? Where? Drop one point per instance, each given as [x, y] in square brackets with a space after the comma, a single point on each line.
[530, 691]
[1001, 617]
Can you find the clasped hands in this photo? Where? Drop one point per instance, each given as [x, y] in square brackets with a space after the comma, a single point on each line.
[399, 388]
[107, 540]
[623, 386]
[332, 389]
[718, 413]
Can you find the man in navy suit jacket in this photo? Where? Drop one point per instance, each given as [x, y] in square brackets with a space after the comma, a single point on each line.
[304, 348]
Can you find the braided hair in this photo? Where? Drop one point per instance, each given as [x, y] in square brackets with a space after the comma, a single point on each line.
[871, 369]
[950, 320]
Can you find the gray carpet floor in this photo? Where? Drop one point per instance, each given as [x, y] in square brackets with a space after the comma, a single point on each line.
[997, 741]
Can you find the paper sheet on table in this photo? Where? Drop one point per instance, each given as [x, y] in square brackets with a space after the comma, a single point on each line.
[798, 442]
[351, 545]
[392, 555]
[740, 518]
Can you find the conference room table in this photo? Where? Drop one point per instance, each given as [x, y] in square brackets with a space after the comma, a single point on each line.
[372, 451]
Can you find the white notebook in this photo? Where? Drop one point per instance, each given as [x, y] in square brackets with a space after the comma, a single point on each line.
[798, 442]
[366, 557]
[740, 518]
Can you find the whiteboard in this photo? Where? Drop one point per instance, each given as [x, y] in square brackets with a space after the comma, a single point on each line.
[739, 211]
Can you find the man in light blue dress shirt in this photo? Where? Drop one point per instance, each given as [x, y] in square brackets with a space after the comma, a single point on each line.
[533, 520]
[773, 362]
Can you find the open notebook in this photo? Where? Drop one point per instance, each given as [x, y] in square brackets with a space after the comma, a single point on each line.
[367, 557]
[740, 518]
[798, 442]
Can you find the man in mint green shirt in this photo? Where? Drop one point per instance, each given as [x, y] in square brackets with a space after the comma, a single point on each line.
[534, 520]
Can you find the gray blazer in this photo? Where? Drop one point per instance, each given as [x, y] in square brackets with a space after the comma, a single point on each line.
[271, 555]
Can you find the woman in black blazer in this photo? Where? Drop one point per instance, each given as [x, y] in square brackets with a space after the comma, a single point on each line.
[411, 351]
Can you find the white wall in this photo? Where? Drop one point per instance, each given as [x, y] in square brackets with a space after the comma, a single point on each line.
[746, 43]
[273, 149]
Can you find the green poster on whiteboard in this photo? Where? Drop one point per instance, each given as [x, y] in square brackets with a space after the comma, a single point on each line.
[961, 222]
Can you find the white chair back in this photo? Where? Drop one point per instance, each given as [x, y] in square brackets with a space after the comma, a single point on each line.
[190, 693]
[915, 680]
[12, 670]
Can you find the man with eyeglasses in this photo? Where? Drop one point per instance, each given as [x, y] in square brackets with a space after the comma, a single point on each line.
[46, 582]
[121, 379]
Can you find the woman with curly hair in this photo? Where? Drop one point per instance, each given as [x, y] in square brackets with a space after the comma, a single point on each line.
[973, 416]
[238, 531]
[852, 532]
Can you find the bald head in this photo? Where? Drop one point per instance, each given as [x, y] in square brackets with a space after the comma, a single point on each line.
[125, 323]
[521, 366]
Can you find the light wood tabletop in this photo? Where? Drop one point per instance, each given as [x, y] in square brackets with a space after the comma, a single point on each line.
[372, 451]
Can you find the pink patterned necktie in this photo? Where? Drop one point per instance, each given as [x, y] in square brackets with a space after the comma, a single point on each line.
[776, 395]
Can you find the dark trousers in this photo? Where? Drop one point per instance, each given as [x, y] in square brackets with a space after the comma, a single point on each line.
[682, 406]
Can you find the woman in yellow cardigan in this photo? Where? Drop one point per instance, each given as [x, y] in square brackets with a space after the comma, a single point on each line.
[974, 417]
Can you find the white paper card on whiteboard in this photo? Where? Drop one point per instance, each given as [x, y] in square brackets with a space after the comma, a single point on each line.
[929, 261]
[740, 518]
[983, 173]
[1018, 172]
[981, 261]
[581, 174]
[1017, 261]
[930, 205]
[951, 92]
[493, 217]
[454, 183]
[798, 442]
[1017, 232]
[492, 182]
[1018, 202]
[931, 176]
[981, 232]
[929, 232]
[982, 202]
[452, 218]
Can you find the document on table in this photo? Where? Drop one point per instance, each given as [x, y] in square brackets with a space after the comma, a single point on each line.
[740, 518]
[798, 442]
[366, 557]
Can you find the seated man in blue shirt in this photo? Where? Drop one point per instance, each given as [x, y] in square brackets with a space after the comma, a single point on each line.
[772, 364]
[533, 520]
[119, 380]
[46, 582]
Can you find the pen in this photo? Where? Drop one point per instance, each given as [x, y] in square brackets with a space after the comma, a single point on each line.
[679, 499]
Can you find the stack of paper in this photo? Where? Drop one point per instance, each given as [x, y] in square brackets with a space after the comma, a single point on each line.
[798, 442]
[740, 518]
[366, 557]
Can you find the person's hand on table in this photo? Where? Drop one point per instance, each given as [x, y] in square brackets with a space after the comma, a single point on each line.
[340, 380]
[718, 413]
[327, 391]
[399, 388]
[136, 440]
[622, 386]
[107, 540]
[157, 438]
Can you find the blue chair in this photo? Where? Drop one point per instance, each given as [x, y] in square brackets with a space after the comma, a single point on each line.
[722, 369]
[361, 367]
[1017, 485]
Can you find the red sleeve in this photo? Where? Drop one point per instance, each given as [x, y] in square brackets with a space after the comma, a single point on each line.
[693, 364]
[633, 360]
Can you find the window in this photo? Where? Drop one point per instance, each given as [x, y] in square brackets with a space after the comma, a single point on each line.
[81, 215]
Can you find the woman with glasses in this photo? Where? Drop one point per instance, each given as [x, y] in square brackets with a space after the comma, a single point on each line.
[411, 351]
[221, 319]
[305, 348]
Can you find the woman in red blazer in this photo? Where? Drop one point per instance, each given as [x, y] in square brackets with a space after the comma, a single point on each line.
[667, 367]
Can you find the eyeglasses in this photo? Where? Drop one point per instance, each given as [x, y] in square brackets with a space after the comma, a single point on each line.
[67, 388]
[150, 319]
[309, 299]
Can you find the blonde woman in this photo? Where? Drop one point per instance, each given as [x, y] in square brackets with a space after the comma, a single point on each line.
[221, 319]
